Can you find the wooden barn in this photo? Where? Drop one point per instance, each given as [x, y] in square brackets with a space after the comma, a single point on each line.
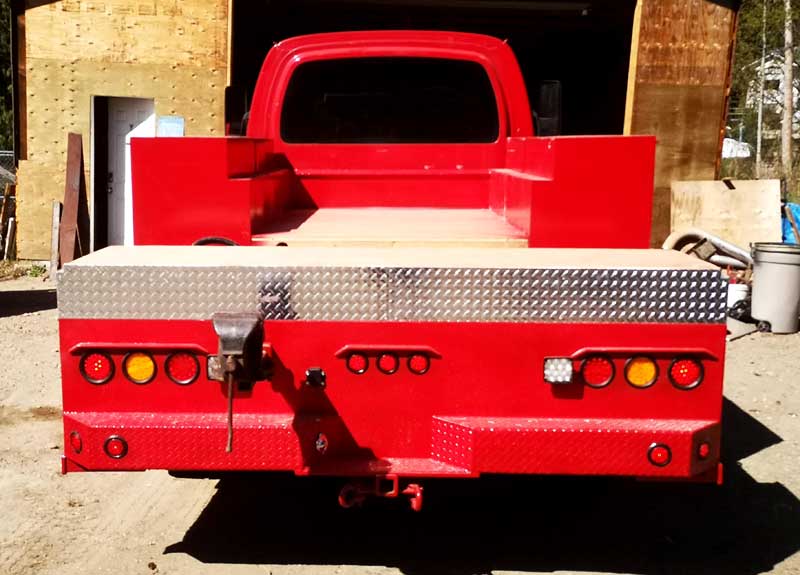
[110, 69]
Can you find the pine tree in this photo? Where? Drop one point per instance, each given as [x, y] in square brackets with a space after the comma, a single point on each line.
[6, 114]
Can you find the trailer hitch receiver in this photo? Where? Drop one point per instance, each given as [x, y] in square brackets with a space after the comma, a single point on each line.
[239, 357]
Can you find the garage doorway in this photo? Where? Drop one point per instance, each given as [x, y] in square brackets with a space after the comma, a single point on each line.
[585, 45]
[115, 122]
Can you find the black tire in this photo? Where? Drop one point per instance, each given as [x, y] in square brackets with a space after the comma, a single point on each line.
[214, 241]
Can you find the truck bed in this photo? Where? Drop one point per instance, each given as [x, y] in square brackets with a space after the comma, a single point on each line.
[393, 227]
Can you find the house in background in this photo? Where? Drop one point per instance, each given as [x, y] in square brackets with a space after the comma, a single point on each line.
[773, 94]
[112, 69]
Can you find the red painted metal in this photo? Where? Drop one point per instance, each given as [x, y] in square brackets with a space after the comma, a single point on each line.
[240, 187]
[482, 406]
[463, 398]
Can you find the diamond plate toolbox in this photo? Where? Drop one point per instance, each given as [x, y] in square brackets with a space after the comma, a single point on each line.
[420, 294]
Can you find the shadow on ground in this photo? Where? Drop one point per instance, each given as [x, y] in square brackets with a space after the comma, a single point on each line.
[513, 523]
[26, 301]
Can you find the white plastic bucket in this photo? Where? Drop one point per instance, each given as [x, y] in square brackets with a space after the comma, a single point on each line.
[736, 293]
[776, 285]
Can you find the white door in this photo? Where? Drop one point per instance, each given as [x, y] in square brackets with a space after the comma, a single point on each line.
[127, 117]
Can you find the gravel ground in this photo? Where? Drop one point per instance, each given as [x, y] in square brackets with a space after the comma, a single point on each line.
[131, 523]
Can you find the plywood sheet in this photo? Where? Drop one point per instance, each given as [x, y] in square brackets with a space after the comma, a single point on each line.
[261, 257]
[750, 212]
[680, 81]
[684, 42]
[391, 227]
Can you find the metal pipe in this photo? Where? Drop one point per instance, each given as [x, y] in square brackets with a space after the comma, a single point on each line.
[679, 239]
[727, 261]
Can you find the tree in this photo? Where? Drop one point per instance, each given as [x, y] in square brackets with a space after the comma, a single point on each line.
[6, 114]
[787, 123]
[765, 82]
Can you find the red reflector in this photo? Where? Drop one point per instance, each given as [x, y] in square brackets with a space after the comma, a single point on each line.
[182, 368]
[97, 368]
[357, 363]
[703, 451]
[419, 363]
[597, 371]
[388, 363]
[659, 455]
[75, 441]
[686, 373]
[115, 447]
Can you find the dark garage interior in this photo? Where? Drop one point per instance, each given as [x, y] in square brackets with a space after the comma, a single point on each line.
[583, 45]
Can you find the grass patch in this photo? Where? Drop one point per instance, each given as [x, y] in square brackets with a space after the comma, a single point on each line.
[10, 270]
[36, 271]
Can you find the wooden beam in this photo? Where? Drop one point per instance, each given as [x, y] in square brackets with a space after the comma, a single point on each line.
[69, 240]
[634, 58]
[5, 211]
[12, 230]
[54, 228]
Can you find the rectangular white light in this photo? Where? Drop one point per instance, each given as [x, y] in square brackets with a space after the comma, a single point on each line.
[558, 370]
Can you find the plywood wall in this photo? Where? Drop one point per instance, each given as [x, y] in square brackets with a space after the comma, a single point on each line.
[173, 51]
[739, 211]
[680, 66]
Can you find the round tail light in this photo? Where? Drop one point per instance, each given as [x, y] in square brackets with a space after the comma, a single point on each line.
[388, 363]
[419, 363]
[659, 455]
[115, 447]
[357, 363]
[686, 373]
[139, 367]
[97, 368]
[641, 372]
[182, 368]
[597, 371]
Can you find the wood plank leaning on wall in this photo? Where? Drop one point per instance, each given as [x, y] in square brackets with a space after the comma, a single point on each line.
[678, 82]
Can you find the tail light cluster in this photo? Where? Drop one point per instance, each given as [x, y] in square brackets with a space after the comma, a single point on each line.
[388, 362]
[139, 367]
[639, 371]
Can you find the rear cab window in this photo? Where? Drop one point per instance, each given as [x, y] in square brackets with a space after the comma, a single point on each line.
[389, 100]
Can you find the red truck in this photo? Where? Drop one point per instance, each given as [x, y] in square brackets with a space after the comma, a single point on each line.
[419, 287]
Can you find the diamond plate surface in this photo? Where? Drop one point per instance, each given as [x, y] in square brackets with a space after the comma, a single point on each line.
[186, 441]
[570, 446]
[396, 294]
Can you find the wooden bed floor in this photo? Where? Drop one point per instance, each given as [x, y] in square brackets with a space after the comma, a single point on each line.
[388, 227]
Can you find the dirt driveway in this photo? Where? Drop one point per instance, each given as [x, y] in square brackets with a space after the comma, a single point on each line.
[152, 523]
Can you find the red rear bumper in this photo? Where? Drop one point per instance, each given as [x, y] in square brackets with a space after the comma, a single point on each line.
[459, 446]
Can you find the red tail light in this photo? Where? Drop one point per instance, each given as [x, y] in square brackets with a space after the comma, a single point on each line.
[357, 363]
[597, 371]
[388, 363]
[97, 368]
[686, 373]
[182, 368]
[419, 363]
[115, 447]
[659, 455]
